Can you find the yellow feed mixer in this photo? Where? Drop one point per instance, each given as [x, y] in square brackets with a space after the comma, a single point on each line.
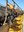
[18, 27]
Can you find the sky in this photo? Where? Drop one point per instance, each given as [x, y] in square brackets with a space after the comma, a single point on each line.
[19, 2]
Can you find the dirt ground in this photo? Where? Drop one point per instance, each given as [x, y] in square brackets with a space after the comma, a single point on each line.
[4, 28]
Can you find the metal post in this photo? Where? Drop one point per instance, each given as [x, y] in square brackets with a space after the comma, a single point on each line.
[6, 12]
[6, 15]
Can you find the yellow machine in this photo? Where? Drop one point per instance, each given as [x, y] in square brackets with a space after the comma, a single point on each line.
[19, 23]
